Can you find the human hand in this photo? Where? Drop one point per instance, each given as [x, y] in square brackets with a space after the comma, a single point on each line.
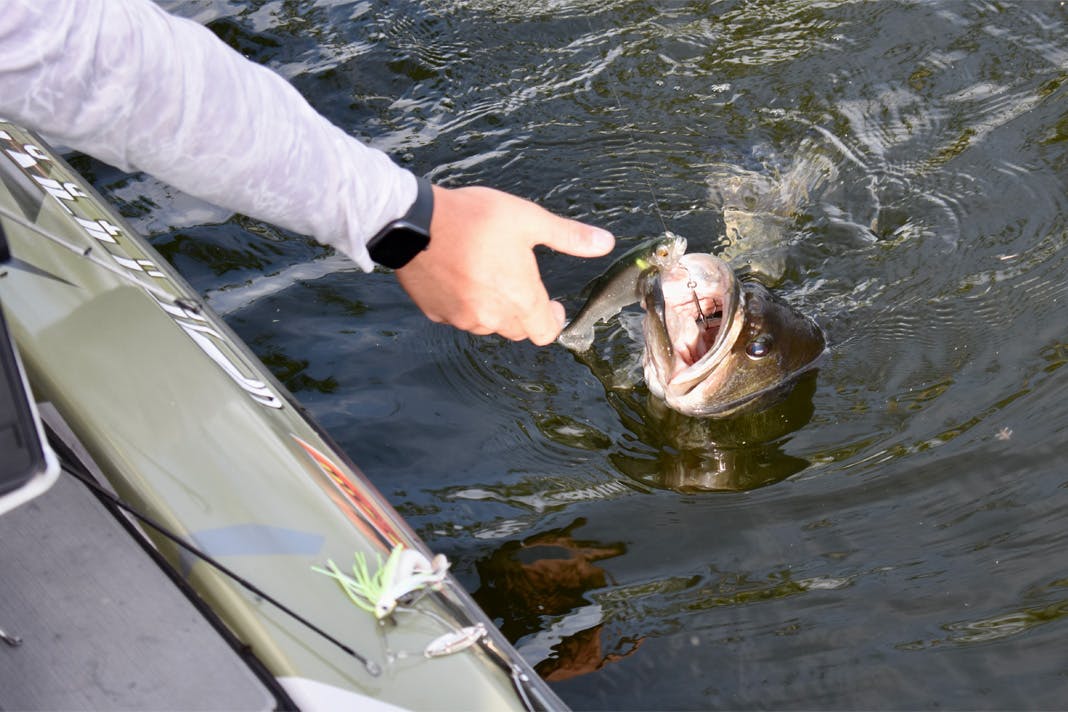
[479, 273]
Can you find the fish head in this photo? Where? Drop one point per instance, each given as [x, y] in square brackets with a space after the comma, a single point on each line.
[663, 252]
[715, 346]
[623, 275]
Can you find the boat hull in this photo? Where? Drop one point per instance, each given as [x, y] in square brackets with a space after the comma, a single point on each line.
[189, 428]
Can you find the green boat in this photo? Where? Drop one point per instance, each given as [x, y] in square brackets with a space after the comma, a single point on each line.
[154, 404]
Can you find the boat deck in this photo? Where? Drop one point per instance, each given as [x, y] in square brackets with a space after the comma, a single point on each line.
[101, 626]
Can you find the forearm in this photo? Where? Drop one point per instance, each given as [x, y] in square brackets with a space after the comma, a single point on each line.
[133, 86]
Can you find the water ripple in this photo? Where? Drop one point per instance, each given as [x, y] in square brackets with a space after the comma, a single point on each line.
[920, 170]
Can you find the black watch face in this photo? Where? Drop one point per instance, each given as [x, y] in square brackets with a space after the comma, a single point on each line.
[396, 248]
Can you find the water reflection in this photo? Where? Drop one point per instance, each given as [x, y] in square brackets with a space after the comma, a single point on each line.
[1000, 625]
[549, 577]
[674, 451]
[743, 452]
[916, 159]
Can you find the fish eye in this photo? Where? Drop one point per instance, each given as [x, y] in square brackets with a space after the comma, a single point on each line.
[759, 347]
[662, 251]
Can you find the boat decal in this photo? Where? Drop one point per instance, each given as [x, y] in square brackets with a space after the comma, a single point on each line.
[354, 501]
[26, 198]
[37, 173]
[248, 540]
[257, 540]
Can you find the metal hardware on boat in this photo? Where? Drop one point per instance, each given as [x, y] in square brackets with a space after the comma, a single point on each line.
[520, 682]
[13, 640]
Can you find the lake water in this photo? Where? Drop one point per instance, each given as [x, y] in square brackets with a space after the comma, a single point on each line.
[895, 535]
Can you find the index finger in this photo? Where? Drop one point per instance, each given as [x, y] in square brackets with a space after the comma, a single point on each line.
[579, 239]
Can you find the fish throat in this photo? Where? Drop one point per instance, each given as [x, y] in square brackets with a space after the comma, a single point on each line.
[696, 330]
[698, 301]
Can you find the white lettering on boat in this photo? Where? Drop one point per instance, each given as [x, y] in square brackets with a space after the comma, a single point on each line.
[56, 181]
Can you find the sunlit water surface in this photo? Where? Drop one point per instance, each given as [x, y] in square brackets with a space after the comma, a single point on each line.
[893, 536]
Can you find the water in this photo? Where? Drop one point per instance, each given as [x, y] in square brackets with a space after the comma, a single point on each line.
[894, 535]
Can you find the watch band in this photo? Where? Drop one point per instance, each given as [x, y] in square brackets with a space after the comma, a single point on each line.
[422, 209]
[396, 244]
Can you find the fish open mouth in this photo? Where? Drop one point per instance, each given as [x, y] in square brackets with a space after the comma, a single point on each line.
[715, 346]
[698, 324]
[697, 303]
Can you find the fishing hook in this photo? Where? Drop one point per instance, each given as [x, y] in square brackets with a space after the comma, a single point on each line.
[691, 284]
[701, 318]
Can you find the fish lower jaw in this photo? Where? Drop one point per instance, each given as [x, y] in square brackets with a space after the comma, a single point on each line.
[695, 398]
[686, 380]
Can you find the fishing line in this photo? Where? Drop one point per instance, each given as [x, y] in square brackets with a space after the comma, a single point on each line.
[372, 667]
[630, 137]
[702, 319]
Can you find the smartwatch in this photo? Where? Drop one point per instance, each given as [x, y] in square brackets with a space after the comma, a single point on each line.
[401, 240]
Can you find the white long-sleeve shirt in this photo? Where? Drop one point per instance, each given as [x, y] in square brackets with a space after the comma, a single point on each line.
[131, 85]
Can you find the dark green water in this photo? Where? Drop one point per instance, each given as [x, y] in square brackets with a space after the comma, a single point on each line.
[894, 537]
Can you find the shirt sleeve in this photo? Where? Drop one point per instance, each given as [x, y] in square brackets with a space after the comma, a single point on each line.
[138, 88]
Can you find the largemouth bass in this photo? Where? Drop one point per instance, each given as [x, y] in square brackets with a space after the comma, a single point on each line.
[620, 286]
[714, 345]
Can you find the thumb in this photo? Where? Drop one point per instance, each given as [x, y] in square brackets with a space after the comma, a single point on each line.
[579, 239]
[542, 326]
